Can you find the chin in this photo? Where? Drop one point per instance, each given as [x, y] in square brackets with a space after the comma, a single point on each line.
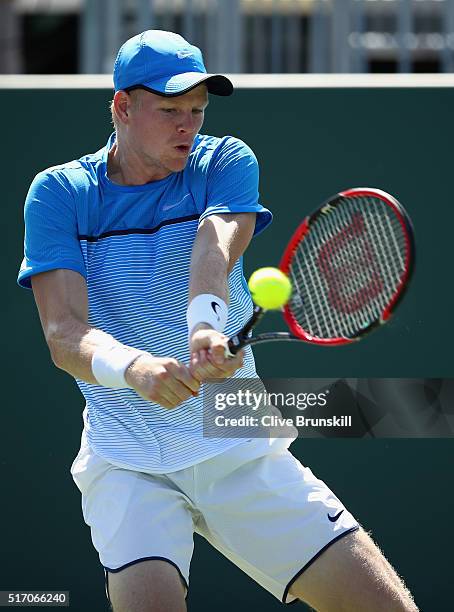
[177, 165]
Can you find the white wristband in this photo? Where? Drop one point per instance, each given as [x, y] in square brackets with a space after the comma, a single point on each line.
[207, 308]
[109, 364]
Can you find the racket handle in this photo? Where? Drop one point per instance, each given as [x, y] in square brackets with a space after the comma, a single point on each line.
[237, 342]
[233, 346]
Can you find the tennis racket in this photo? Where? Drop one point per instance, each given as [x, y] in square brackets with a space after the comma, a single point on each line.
[350, 263]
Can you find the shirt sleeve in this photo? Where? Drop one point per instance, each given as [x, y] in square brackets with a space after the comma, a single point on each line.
[51, 231]
[232, 184]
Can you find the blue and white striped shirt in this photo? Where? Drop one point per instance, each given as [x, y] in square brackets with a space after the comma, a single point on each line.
[133, 246]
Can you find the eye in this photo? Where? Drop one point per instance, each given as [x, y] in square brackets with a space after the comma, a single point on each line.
[197, 111]
[168, 111]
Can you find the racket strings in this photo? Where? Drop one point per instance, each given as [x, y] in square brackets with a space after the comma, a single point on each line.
[348, 267]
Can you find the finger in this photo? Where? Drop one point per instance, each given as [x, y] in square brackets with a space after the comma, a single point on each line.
[208, 340]
[167, 398]
[199, 359]
[229, 368]
[179, 391]
[185, 377]
[195, 372]
[228, 364]
[173, 382]
[217, 354]
[201, 366]
[178, 373]
[194, 362]
[214, 371]
[206, 373]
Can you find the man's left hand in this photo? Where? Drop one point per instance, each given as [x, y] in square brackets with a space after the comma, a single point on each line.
[208, 358]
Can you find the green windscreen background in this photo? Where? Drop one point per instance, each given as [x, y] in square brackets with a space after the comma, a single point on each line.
[311, 143]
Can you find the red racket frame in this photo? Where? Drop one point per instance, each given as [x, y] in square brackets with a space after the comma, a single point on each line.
[303, 230]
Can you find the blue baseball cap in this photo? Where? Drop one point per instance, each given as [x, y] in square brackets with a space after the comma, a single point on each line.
[165, 64]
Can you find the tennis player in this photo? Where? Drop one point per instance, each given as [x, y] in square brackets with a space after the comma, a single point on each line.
[134, 254]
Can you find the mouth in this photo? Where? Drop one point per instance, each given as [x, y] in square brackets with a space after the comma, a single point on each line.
[183, 149]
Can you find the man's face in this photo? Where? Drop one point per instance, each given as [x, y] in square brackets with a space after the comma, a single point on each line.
[162, 130]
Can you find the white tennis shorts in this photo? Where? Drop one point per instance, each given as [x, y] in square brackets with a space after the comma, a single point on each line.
[257, 505]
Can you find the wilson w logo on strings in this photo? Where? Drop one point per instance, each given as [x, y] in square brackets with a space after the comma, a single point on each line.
[350, 267]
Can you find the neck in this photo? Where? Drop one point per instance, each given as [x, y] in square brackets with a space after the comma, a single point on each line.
[125, 166]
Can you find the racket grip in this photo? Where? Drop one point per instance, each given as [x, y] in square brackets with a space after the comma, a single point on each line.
[233, 346]
[236, 343]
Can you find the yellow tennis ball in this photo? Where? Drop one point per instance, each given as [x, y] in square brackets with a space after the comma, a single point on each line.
[270, 288]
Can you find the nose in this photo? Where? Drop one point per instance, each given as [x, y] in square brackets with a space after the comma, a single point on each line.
[188, 123]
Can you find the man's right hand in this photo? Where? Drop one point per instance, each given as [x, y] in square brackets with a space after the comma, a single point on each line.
[162, 380]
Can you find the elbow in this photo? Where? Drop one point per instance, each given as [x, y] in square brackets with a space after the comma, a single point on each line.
[54, 354]
[54, 343]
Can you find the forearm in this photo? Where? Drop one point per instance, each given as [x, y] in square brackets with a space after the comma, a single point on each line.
[209, 273]
[220, 242]
[164, 380]
[72, 346]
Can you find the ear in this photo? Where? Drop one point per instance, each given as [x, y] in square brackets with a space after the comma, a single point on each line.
[122, 105]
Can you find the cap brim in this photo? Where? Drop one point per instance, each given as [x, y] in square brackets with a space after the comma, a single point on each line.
[179, 84]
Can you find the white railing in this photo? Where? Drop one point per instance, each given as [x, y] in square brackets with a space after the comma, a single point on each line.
[262, 36]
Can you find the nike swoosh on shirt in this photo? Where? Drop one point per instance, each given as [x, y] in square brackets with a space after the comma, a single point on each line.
[183, 54]
[173, 204]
